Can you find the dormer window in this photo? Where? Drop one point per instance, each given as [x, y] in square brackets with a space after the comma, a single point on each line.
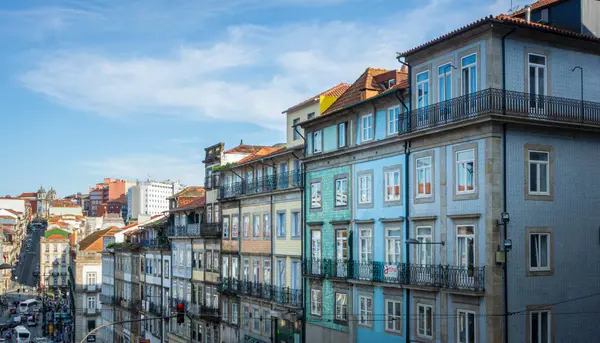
[391, 83]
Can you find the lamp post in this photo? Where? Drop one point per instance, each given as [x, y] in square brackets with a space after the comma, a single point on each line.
[581, 81]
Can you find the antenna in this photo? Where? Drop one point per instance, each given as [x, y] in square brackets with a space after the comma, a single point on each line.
[512, 8]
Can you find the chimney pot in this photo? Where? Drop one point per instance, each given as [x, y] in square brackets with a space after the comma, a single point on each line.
[528, 14]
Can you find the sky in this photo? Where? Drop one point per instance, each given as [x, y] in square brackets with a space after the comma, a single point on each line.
[136, 89]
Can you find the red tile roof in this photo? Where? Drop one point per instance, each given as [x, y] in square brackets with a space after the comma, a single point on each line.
[537, 5]
[335, 91]
[265, 151]
[243, 149]
[502, 18]
[353, 94]
[196, 203]
[28, 195]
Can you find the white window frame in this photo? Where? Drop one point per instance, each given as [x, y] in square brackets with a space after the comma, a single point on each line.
[255, 226]
[539, 329]
[315, 302]
[342, 134]
[423, 170]
[316, 196]
[466, 313]
[393, 119]
[424, 102]
[365, 314]
[395, 304]
[394, 242]
[341, 191]
[471, 67]
[366, 130]
[444, 77]
[538, 164]
[365, 187]
[317, 141]
[365, 245]
[422, 308]
[548, 251]
[234, 313]
[341, 306]
[395, 196]
[464, 164]
[466, 238]
[281, 224]
[316, 245]
[537, 67]
[93, 277]
[295, 218]
[424, 249]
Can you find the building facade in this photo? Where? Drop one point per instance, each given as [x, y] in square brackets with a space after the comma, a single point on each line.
[150, 197]
[55, 258]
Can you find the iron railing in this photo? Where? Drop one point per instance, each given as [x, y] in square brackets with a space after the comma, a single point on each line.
[288, 296]
[211, 230]
[209, 313]
[493, 100]
[155, 309]
[438, 276]
[281, 295]
[108, 299]
[187, 230]
[156, 243]
[263, 184]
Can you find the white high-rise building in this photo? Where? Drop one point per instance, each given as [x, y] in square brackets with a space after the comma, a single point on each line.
[150, 197]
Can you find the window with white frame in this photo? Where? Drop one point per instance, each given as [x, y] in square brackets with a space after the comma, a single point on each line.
[296, 129]
[341, 306]
[255, 269]
[266, 225]
[281, 224]
[341, 246]
[539, 173]
[365, 310]
[266, 319]
[539, 251]
[537, 75]
[393, 119]
[295, 224]
[468, 66]
[365, 188]
[256, 226]
[365, 245]
[225, 227]
[246, 317]
[246, 270]
[342, 134]
[341, 192]
[225, 269]
[281, 273]
[424, 320]
[317, 141]
[465, 168]
[466, 326]
[424, 248]
[256, 319]
[267, 271]
[91, 303]
[445, 82]
[423, 89]
[315, 195]
[224, 309]
[465, 246]
[91, 278]
[540, 327]
[315, 302]
[234, 313]
[246, 228]
[424, 186]
[366, 132]
[393, 316]
[235, 226]
[393, 245]
[392, 184]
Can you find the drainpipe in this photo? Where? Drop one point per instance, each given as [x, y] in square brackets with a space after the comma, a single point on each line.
[302, 240]
[504, 191]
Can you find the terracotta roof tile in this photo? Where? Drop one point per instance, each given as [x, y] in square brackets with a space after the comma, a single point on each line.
[91, 238]
[265, 151]
[243, 149]
[537, 5]
[199, 202]
[189, 192]
[28, 195]
[336, 91]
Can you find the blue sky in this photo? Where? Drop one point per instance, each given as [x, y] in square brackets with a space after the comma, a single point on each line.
[131, 89]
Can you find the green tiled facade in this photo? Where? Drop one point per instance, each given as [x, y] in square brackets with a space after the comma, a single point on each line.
[326, 214]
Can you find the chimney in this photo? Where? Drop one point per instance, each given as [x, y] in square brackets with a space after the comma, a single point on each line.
[528, 14]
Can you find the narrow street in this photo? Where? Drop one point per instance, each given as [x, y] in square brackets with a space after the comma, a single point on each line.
[30, 258]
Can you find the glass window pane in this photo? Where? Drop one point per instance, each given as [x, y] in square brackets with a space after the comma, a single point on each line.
[543, 250]
[541, 81]
[469, 60]
[532, 80]
[537, 59]
[533, 250]
[538, 156]
[544, 323]
[423, 77]
[543, 178]
[466, 155]
[533, 186]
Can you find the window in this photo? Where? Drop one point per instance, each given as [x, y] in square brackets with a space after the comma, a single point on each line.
[296, 275]
[424, 320]
[225, 227]
[91, 303]
[469, 74]
[266, 319]
[234, 268]
[167, 269]
[234, 226]
[91, 325]
[267, 271]
[445, 82]
[256, 226]
[234, 313]
[296, 129]
[315, 195]
[393, 314]
[310, 116]
[315, 302]
[225, 269]
[246, 316]
[424, 251]
[341, 246]
[423, 89]
[365, 188]
[537, 77]
[246, 275]
[539, 327]
[365, 310]
[317, 141]
[393, 245]
[424, 177]
[539, 251]
[465, 326]
[256, 319]
[341, 307]
[465, 165]
[539, 178]
[281, 224]
[465, 235]
[266, 226]
[392, 185]
[315, 241]
[91, 279]
[224, 309]
[295, 224]
[365, 247]
[281, 273]
[341, 192]
[342, 134]
[246, 227]
[393, 120]
[366, 132]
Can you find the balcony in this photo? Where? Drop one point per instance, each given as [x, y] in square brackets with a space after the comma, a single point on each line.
[266, 184]
[488, 101]
[229, 286]
[209, 313]
[281, 295]
[188, 230]
[108, 300]
[156, 243]
[436, 276]
[211, 230]
[287, 296]
[94, 287]
[155, 309]
[92, 311]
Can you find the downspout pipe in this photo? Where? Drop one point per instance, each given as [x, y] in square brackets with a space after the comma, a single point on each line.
[302, 240]
[504, 190]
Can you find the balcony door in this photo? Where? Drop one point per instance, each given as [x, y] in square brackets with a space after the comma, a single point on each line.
[465, 250]
[315, 254]
[537, 82]
[259, 179]
[424, 260]
[341, 253]
[283, 175]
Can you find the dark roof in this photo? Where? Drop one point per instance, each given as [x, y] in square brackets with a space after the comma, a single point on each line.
[504, 19]
[336, 91]
[538, 5]
[91, 238]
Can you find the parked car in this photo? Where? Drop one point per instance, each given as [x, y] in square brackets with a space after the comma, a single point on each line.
[13, 311]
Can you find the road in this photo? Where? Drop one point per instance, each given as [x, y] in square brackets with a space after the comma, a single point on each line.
[29, 260]
[36, 331]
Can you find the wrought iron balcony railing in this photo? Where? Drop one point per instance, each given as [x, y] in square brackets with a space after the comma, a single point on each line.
[156, 243]
[281, 295]
[492, 100]
[288, 296]
[209, 313]
[438, 276]
[188, 230]
[263, 184]
[109, 299]
[211, 230]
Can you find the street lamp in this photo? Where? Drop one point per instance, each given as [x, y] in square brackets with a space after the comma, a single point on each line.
[414, 241]
[581, 81]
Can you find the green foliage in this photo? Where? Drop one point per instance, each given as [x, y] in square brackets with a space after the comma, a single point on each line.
[223, 166]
